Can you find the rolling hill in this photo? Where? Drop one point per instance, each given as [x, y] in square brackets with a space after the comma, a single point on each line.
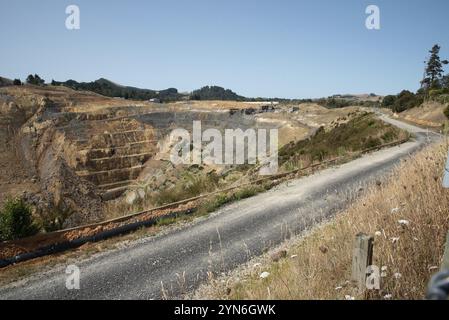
[110, 89]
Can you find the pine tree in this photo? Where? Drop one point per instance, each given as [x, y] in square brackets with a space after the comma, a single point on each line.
[30, 79]
[434, 69]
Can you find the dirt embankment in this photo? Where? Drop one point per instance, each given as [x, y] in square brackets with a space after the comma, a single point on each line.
[429, 114]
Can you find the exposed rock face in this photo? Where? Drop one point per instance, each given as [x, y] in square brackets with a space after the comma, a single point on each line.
[45, 152]
[34, 156]
[62, 187]
[75, 151]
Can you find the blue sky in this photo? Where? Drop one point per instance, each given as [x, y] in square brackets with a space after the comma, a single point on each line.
[292, 49]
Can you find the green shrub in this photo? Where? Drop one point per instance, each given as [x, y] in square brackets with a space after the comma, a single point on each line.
[16, 220]
[388, 101]
[406, 100]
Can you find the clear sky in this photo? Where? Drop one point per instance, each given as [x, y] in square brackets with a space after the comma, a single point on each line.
[275, 48]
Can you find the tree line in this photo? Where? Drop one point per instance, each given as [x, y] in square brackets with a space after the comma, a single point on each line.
[434, 85]
[110, 89]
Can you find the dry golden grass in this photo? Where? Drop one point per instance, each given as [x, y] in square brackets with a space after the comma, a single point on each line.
[321, 263]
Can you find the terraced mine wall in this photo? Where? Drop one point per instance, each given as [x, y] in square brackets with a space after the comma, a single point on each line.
[111, 152]
[77, 160]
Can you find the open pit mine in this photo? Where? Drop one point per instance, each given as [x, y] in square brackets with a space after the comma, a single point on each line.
[80, 157]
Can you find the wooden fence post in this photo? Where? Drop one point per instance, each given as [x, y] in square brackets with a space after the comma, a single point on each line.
[362, 258]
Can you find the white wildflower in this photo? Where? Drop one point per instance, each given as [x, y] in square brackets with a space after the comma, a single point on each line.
[264, 275]
[348, 297]
[397, 275]
[378, 233]
[404, 223]
[388, 296]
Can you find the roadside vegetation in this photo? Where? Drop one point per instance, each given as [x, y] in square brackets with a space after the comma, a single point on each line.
[409, 219]
[16, 220]
[359, 133]
[215, 202]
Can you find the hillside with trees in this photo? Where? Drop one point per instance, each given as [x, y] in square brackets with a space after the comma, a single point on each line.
[434, 86]
[110, 89]
[215, 93]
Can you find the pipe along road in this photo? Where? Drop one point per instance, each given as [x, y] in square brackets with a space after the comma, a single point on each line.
[179, 260]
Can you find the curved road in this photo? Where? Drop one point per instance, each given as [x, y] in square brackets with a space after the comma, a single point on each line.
[182, 258]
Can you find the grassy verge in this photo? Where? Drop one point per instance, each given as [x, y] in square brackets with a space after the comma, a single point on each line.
[409, 218]
[214, 203]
